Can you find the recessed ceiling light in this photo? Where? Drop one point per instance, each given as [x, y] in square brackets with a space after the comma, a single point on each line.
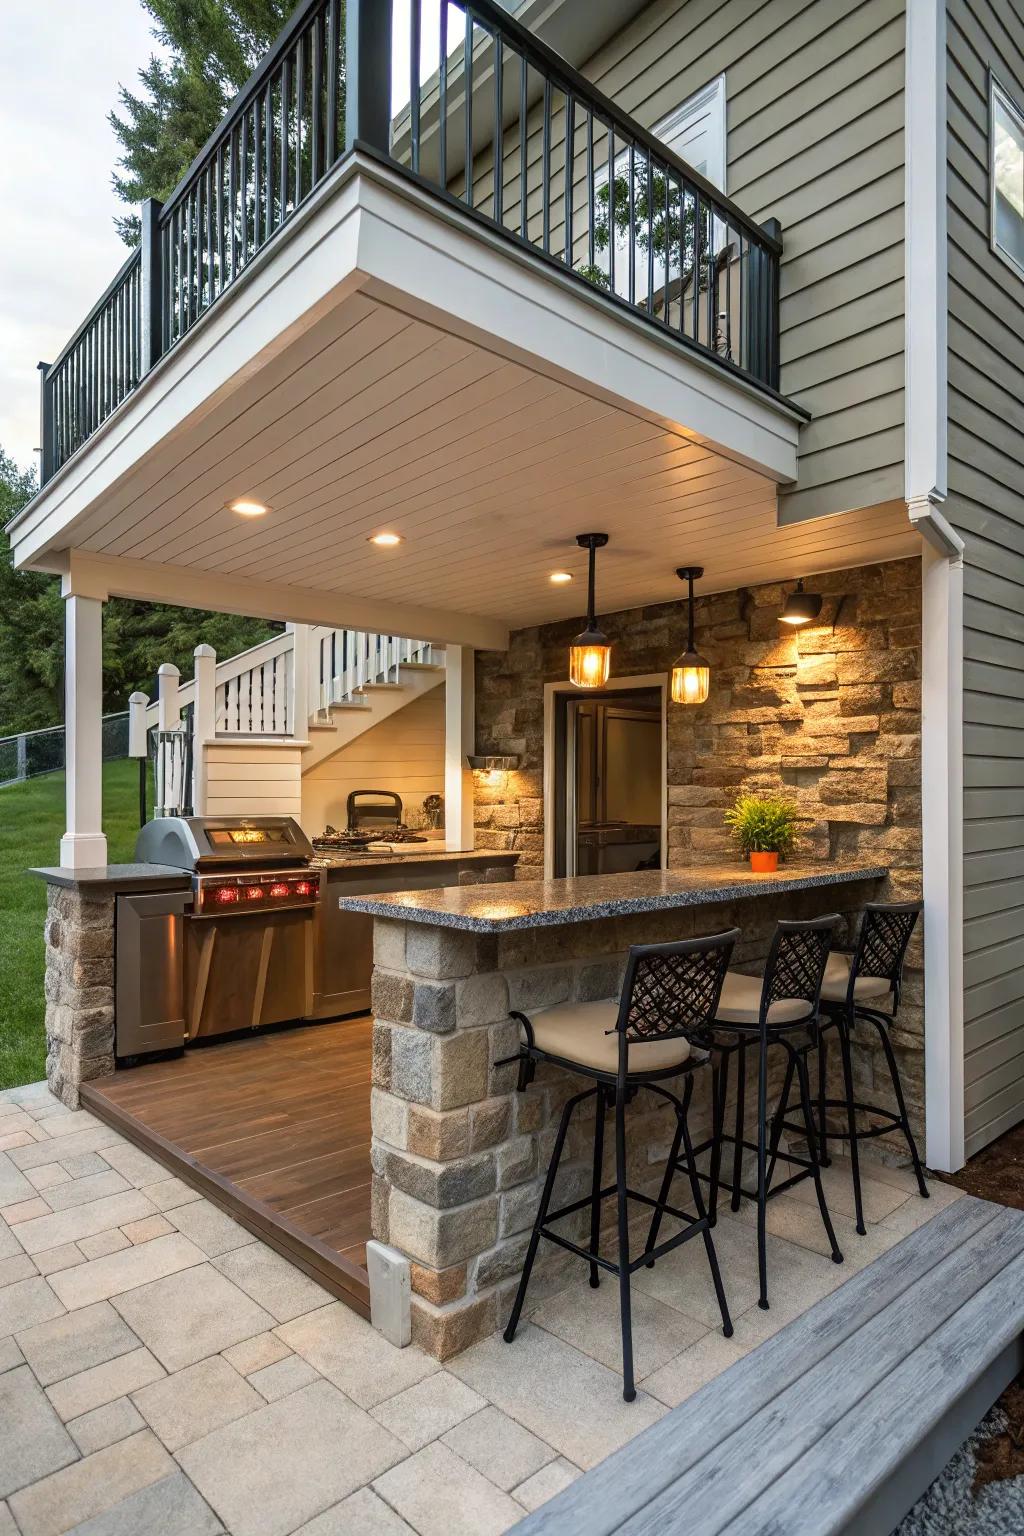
[560, 578]
[385, 540]
[247, 508]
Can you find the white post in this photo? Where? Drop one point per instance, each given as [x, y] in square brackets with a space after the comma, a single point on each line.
[83, 845]
[168, 719]
[138, 703]
[459, 743]
[298, 684]
[204, 720]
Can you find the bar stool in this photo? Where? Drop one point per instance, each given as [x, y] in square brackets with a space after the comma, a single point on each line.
[669, 996]
[863, 985]
[778, 1008]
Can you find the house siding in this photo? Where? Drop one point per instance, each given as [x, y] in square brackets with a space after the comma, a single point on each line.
[986, 505]
[815, 138]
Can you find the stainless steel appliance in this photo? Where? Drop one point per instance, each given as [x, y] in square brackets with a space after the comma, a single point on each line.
[377, 809]
[233, 953]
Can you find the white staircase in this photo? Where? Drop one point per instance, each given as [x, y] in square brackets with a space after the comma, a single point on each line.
[311, 689]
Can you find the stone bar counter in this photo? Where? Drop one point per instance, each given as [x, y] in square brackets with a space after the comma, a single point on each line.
[458, 1155]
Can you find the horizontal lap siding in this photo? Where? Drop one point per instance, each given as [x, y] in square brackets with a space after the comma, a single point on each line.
[986, 504]
[815, 138]
[404, 753]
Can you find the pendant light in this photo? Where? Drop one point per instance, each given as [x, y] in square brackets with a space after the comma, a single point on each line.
[800, 607]
[691, 675]
[590, 653]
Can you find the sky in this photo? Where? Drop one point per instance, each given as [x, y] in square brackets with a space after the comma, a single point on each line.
[61, 62]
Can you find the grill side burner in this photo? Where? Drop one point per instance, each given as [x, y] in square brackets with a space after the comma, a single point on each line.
[237, 955]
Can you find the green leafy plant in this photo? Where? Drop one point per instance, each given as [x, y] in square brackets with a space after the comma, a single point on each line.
[763, 824]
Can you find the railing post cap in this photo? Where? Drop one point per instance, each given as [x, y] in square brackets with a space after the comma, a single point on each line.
[167, 669]
[205, 650]
[44, 367]
[138, 698]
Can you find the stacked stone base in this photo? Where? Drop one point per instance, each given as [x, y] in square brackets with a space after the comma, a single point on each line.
[79, 990]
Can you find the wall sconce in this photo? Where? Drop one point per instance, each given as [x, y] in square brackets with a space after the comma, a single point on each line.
[691, 675]
[492, 769]
[800, 607]
[590, 654]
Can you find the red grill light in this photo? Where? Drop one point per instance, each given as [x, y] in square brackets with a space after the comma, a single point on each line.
[254, 893]
[304, 887]
[225, 895]
[279, 888]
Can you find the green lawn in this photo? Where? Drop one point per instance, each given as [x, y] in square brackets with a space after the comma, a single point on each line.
[31, 824]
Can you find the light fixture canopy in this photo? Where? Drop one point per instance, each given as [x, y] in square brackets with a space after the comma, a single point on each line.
[800, 607]
[385, 540]
[493, 768]
[246, 506]
[590, 654]
[691, 674]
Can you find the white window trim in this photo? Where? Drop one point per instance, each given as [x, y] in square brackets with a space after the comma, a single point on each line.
[997, 92]
[710, 95]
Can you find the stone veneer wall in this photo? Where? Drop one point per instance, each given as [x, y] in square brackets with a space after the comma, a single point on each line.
[459, 1156]
[79, 985]
[829, 715]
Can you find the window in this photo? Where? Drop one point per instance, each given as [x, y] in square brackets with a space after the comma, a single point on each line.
[1006, 147]
[695, 132]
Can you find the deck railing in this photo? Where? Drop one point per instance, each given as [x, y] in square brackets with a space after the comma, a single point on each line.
[495, 123]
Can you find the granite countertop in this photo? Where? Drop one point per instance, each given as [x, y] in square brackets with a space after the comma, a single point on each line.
[119, 877]
[549, 903]
[414, 853]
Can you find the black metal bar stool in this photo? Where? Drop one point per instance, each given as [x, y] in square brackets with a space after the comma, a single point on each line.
[779, 1008]
[863, 985]
[669, 996]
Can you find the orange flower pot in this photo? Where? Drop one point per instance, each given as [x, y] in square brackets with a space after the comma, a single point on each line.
[764, 863]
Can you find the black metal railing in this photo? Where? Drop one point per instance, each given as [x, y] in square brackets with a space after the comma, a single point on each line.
[495, 123]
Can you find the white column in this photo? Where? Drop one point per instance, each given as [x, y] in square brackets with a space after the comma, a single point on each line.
[459, 742]
[83, 845]
[299, 683]
[204, 720]
[942, 793]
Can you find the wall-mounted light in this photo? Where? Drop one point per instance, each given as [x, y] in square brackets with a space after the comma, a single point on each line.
[800, 607]
[493, 769]
[590, 654]
[691, 675]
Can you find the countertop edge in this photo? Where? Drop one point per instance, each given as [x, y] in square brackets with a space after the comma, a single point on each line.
[388, 907]
[115, 877]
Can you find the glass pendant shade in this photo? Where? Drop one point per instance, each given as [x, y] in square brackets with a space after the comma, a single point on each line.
[691, 674]
[800, 607]
[590, 654]
[691, 679]
[590, 658]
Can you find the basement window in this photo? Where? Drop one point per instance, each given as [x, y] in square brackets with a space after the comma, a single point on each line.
[695, 131]
[1006, 175]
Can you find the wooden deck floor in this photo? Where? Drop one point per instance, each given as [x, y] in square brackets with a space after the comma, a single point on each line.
[276, 1129]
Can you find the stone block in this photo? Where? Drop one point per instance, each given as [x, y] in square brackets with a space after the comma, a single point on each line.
[380, 1068]
[441, 1238]
[433, 1007]
[442, 1185]
[411, 1066]
[530, 991]
[500, 1263]
[481, 999]
[389, 944]
[516, 1161]
[438, 1135]
[391, 996]
[489, 1123]
[389, 1118]
[518, 1208]
[460, 1068]
[439, 953]
[601, 980]
[439, 1286]
[446, 1331]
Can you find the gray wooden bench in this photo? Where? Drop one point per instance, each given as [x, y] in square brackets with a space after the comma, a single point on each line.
[841, 1420]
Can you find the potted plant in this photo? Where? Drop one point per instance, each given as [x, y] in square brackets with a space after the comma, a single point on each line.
[765, 827]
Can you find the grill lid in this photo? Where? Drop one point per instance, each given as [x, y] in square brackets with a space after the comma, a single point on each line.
[220, 842]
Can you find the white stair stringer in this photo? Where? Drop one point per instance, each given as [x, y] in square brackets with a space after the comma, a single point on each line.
[350, 718]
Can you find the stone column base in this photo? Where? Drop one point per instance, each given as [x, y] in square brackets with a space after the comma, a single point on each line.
[79, 985]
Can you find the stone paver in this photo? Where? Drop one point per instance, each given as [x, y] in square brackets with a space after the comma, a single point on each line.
[104, 1426]
[125, 1270]
[439, 1494]
[269, 1472]
[271, 1281]
[424, 1412]
[102, 1243]
[191, 1403]
[91, 1389]
[210, 1229]
[256, 1353]
[91, 1486]
[285, 1376]
[362, 1514]
[83, 1221]
[62, 1197]
[47, 1176]
[54, 1259]
[187, 1316]
[362, 1363]
[18, 1267]
[170, 1507]
[24, 1210]
[25, 1303]
[76, 1342]
[499, 1448]
[145, 1230]
[168, 1194]
[34, 1442]
[543, 1485]
[14, 1185]
[134, 1164]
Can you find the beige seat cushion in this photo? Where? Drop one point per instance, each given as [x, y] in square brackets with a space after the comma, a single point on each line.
[576, 1032]
[874, 989]
[740, 1003]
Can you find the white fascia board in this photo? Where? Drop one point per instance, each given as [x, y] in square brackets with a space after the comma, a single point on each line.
[473, 282]
[103, 577]
[368, 228]
[925, 251]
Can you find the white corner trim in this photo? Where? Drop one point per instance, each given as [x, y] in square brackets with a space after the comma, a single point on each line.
[942, 581]
[930, 523]
[925, 250]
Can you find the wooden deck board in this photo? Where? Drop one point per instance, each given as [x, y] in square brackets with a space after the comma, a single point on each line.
[802, 1434]
[276, 1129]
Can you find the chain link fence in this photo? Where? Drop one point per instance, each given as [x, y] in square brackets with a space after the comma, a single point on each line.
[31, 753]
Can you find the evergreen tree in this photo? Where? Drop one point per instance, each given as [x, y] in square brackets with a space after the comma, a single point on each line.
[209, 48]
[137, 637]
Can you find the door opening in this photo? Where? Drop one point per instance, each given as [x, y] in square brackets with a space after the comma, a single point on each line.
[609, 755]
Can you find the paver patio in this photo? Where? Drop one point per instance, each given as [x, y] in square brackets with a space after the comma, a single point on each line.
[162, 1370]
